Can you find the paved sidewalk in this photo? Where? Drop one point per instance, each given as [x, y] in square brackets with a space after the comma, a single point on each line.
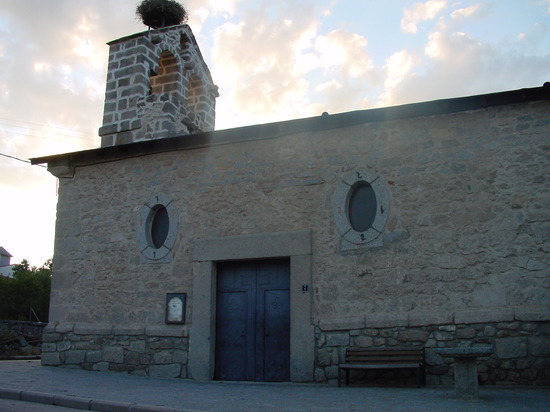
[29, 381]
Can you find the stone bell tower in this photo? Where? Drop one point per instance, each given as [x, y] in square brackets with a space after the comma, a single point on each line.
[158, 85]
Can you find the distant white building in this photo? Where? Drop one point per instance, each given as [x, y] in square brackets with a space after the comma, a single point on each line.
[6, 268]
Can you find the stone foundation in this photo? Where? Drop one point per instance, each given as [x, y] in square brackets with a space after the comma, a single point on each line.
[521, 357]
[152, 351]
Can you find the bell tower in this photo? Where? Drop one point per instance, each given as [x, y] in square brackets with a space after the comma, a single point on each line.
[158, 85]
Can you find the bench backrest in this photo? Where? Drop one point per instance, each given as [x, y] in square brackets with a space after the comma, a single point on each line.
[383, 356]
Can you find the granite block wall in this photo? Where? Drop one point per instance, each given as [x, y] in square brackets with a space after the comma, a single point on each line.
[468, 234]
[142, 101]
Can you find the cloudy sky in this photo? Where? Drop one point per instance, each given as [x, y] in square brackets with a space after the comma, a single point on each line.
[272, 60]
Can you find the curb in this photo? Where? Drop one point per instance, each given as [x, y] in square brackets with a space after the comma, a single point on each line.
[76, 402]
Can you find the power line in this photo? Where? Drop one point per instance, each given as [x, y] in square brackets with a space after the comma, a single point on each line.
[42, 125]
[84, 142]
[26, 133]
[21, 160]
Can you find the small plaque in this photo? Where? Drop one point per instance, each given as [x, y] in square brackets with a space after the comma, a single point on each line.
[175, 308]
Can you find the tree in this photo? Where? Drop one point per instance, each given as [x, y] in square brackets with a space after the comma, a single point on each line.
[161, 13]
[26, 296]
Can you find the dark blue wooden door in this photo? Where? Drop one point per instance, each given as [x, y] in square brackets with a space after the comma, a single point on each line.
[253, 321]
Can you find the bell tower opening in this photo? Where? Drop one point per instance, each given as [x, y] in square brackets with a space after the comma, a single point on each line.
[167, 80]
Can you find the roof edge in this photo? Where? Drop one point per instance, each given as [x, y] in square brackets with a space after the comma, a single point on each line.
[66, 162]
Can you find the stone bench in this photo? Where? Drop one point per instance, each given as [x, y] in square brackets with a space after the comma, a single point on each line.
[465, 359]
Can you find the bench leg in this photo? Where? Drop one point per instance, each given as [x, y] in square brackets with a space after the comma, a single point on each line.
[347, 377]
[339, 377]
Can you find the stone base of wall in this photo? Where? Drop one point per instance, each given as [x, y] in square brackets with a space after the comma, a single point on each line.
[521, 351]
[159, 351]
[31, 330]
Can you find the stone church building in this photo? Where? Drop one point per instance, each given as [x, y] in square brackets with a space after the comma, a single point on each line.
[261, 253]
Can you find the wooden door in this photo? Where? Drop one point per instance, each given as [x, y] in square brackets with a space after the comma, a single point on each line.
[253, 321]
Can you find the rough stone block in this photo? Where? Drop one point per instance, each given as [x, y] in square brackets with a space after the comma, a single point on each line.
[320, 375]
[94, 356]
[337, 339]
[509, 348]
[413, 335]
[364, 341]
[532, 314]
[138, 346]
[92, 329]
[324, 357]
[433, 358]
[51, 359]
[342, 324]
[50, 327]
[484, 316]
[162, 357]
[539, 345]
[128, 330]
[101, 366]
[113, 354]
[465, 333]
[180, 356]
[74, 356]
[51, 337]
[65, 327]
[49, 347]
[175, 331]
[429, 318]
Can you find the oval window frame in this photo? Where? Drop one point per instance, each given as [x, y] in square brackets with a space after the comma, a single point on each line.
[147, 212]
[371, 237]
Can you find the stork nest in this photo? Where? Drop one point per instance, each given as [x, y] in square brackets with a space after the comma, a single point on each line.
[161, 13]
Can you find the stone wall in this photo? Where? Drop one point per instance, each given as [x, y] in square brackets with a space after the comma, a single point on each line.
[521, 343]
[151, 351]
[467, 236]
[31, 330]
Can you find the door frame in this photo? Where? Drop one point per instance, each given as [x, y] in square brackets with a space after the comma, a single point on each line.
[202, 336]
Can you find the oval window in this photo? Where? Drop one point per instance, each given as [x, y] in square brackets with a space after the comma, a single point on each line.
[361, 207]
[160, 224]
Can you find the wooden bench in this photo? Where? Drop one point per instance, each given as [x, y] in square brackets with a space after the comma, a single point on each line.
[384, 358]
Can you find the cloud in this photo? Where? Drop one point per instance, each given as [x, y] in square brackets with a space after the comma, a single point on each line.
[467, 12]
[460, 65]
[398, 67]
[421, 12]
[259, 63]
[286, 64]
[344, 50]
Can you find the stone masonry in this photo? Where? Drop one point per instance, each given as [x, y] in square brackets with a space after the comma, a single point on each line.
[152, 351]
[522, 347]
[157, 84]
[464, 258]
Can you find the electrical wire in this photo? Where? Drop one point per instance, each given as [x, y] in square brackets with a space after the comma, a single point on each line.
[42, 125]
[21, 160]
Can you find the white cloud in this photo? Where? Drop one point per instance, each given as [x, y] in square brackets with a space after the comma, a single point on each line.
[399, 66]
[329, 86]
[461, 14]
[421, 12]
[260, 63]
[458, 48]
[344, 50]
